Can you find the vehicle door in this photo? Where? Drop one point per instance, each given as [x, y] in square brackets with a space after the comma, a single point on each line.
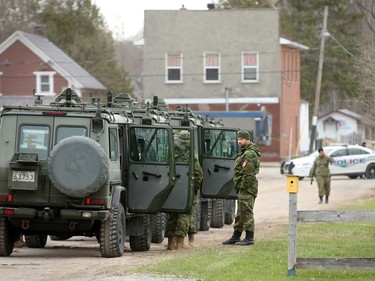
[151, 172]
[27, 166]
[181, 197]
[340, 164]
[218, 155]
[357, 160]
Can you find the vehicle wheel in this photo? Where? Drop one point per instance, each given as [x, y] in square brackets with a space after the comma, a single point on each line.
[230, 210]
[36, 240]
[300, 178]
[370, 171]
[158, 222]
[6, 240]
[205, 220]
[78, 166]
[60, 237]
[218, 214]
[142, 242]
[112, 234]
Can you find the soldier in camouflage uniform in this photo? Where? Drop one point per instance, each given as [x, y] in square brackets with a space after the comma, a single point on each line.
[245, 182]
[321, 171]
[181, 224]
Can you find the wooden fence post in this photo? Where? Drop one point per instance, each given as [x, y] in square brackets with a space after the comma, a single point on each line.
[292, 188]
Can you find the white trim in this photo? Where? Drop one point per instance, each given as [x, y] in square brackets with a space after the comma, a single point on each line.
[284, 41]
[169, 67]
[38, 90]
[218, 67]
[268, 100]
[256, 67]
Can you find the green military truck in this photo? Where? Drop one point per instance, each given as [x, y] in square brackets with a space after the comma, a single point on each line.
[74, 168]
[216, 149]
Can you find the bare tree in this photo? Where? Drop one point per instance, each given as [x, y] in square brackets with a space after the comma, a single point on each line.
[17, 15]
[366, 69]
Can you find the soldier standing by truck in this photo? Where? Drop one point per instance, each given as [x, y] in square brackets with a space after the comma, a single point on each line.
[179, 225]
[246, 186]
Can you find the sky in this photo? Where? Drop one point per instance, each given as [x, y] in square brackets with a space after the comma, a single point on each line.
[125, 17]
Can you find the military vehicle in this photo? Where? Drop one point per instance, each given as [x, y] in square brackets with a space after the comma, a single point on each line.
[74, 168]
[216, 149]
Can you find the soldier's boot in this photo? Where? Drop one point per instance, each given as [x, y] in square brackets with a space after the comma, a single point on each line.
[249, 239]
[326, 200]
[320, 199]
[236, 237]
[180, 242]
[191, 239]
[172, 243]
[19, 243]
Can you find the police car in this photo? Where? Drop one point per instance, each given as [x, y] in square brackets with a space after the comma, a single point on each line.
[349, 160]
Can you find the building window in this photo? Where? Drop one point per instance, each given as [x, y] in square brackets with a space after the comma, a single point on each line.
[250, 67]
[174, 68]
[44, 83]
[211, 67]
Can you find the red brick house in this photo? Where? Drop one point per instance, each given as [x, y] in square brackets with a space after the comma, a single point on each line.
[30, 61]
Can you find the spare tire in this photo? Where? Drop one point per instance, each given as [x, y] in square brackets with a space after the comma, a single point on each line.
[78, 166]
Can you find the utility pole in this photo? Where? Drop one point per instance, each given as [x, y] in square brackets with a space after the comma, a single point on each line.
[319, 80]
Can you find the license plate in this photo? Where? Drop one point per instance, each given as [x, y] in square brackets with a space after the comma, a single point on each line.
[23, 176]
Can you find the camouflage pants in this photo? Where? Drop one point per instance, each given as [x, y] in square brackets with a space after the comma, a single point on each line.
[193, 217]
[324, 185]
[244, 219]
[180, 224]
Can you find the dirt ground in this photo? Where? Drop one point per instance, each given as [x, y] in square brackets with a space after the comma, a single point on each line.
[79, 258]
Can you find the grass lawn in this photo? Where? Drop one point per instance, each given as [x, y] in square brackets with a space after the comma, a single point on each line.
[268, 258]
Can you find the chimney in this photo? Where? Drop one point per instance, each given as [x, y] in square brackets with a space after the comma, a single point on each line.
[40, 29]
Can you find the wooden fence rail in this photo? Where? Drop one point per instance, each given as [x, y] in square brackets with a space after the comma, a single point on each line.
[295, 216]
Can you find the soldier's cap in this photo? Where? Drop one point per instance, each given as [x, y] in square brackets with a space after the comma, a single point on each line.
[184, 136]
[243, 135]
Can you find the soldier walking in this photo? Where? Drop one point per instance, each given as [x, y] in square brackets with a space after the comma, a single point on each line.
[321, 171]
[245, 182]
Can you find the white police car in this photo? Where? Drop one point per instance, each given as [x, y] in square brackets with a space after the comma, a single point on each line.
[349, 160]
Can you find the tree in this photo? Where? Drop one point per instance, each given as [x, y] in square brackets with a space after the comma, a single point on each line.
[243, 4]
[78, 28]
[302, 22]
[366, 68]
[17, 15]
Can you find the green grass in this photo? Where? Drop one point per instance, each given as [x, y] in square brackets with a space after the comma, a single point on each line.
[268, 258]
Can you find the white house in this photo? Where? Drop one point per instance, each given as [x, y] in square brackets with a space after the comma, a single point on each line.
[344, 126]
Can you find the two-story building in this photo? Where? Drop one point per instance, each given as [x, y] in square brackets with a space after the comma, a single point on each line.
[226, 60]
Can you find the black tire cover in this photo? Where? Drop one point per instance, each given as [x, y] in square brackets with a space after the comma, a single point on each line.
[78, 166]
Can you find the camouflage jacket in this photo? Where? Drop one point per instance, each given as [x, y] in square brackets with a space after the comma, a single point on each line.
[182, 156]
[246, 167]
[321, 166]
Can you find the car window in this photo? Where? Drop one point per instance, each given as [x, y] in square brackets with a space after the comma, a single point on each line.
[357, 151]
[339, 152]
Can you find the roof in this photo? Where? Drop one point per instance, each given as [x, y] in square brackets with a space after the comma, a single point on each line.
[77, 76]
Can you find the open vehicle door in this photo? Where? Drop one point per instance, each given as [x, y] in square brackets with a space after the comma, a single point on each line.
[151, 172]
[181, 197]
[219, 152]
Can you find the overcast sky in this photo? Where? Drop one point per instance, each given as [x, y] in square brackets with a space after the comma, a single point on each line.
[125, 17]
